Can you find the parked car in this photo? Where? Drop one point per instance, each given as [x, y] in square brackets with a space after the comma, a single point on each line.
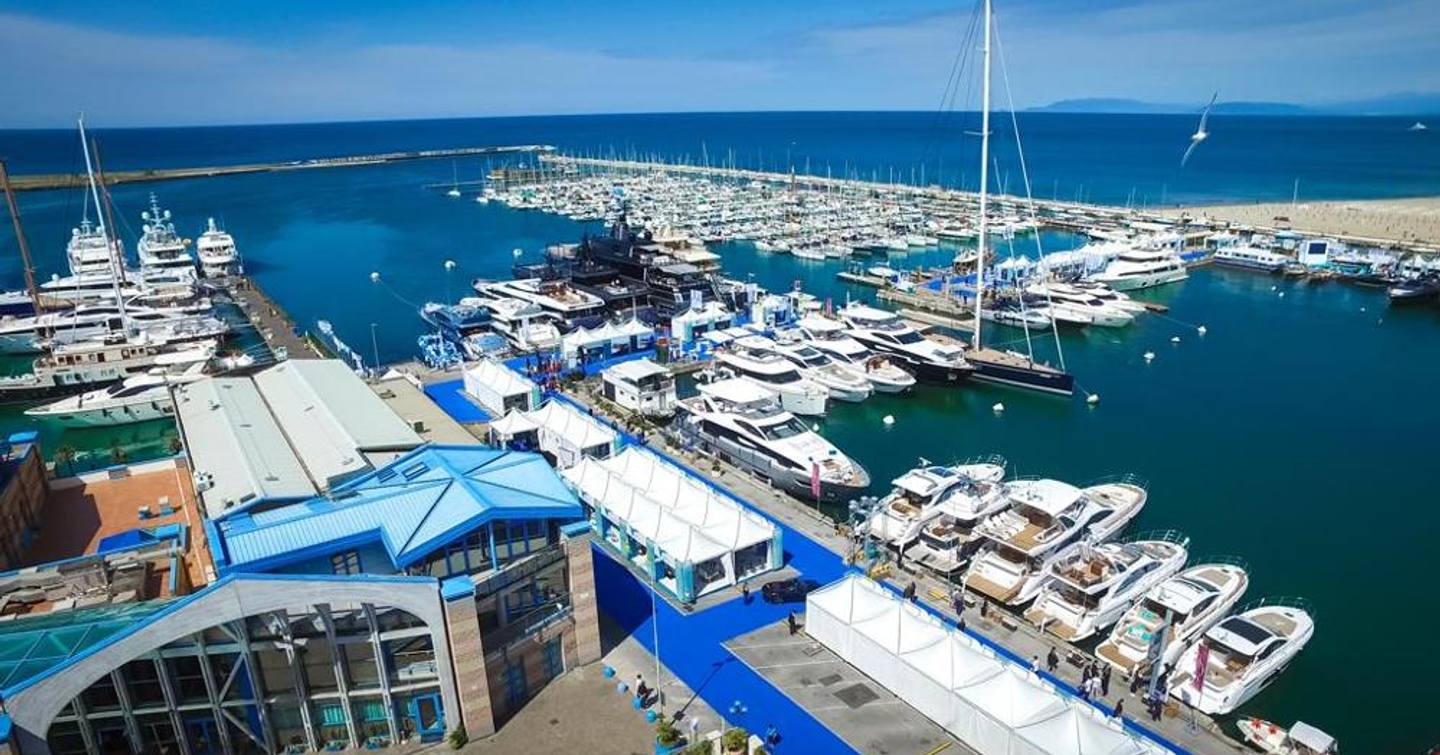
[791, 590]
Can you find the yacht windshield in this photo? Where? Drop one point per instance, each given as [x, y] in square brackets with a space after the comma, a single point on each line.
[778, 378]
[908, 336]
[782, 430]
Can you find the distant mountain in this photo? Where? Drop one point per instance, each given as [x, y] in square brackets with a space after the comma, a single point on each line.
[1403, 103]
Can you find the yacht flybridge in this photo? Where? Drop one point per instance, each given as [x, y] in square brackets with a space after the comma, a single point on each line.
[1180, 608]
[87, 251]
[160, 248]
[745, 423]
[1047, 515]
[750, 361]
[832, 337]
[933, 359]
[1088, 587]
[1243, 654]
[926, 492]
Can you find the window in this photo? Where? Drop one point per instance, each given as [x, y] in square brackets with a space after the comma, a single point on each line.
[345, 563]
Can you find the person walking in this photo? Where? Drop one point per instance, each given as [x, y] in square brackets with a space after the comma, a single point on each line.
[910, 591]
[1134, 680]
[1105, 681]
[1095, 687]
[1052, 660]
[693, 726]
[791, 624]
[1083, 688]
[641, 691]
[1035, 663]
[745, 593]
[957, 601]
[1119, 711]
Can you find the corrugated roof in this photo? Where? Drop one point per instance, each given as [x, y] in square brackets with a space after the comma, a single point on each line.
[329, 416]
[239, 452]
[427, 498]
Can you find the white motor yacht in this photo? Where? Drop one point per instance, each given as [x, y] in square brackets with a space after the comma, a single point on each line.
[1046, 516]
[919, 495]
[929, 358]
[1250, 258]
[159, 247]
[1110, 296]
[217, 252]
[1243, 654]
[1183, 607]
[1088, 587]
[746, 424]
[525, 325]
[1142, 268]
[77, 367]
[843, 382]
[1069, 300]
[135, 399]
[771, 371]
[832, 337]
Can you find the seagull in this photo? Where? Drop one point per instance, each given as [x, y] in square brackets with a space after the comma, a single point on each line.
[1200, 133]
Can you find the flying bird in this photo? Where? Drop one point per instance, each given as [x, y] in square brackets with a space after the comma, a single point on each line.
[1200, 133]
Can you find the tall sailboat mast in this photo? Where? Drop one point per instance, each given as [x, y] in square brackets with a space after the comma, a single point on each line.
[117, 265]
[29, 268]
[983, 225]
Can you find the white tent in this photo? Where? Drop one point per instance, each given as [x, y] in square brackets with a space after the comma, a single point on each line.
[512, 424]
[570, 434]
[709, 540]
[498, 389]
[988, 703]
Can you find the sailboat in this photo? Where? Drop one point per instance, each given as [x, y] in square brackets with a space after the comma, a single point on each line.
[454, 181]
[992, 365]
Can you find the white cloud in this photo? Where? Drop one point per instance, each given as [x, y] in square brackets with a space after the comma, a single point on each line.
[127, 79]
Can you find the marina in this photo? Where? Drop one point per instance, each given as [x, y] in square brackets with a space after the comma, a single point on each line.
[917, 440]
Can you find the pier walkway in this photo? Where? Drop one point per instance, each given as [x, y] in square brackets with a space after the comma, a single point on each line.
[38, 181]
[282, 337]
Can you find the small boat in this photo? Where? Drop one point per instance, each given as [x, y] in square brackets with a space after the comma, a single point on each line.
[1420, 289]
[917, 495]
[1417, 126]
[1183, 606]
[1089, 587]
[1300, 739]
[1250, 258]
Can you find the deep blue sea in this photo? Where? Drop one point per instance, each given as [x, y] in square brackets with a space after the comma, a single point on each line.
[1298, 433]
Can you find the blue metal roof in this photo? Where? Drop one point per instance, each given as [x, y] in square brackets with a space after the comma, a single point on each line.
[413, 505]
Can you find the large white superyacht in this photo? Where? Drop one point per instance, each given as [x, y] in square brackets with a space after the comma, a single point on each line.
[769, 370]
[1046, 516]
[160, 247]
[746, 424]
[1142, 268]
[832, 337]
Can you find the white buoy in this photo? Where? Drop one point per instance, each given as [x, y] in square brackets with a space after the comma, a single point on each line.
[517, 252]
[1092, 399]
[1149, 355]
[1362, 309]
[998, 408]
[1282, 294]
[374, 277]
[1272, 288]
[1201, 330]
[1174, 339]
[889, 419]
[449, 264]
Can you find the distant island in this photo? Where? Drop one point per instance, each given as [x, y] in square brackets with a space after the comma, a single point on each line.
[1405, 103]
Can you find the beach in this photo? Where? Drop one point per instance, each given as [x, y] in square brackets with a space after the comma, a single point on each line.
[1415, 220]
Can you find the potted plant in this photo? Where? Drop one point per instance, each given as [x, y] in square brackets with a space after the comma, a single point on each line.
[667, 737]
[736, 740]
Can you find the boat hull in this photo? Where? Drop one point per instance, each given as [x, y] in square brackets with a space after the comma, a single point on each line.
[111, 416]
[1148, 280]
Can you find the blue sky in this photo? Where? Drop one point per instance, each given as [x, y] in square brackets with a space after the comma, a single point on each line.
[243, 61]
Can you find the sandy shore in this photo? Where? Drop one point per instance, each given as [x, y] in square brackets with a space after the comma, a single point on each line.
[1409, 220]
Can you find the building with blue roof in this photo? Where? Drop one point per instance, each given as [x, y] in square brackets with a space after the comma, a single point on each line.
[443, 586]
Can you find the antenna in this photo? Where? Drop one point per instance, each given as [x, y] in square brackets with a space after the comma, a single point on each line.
[984, 178]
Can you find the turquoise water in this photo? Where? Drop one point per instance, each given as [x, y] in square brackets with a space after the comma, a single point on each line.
[1297, 433]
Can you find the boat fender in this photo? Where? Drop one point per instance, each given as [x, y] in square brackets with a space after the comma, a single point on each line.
[889, 419]
[1092, 399]
[998, 408]
[1174, 339]
[1201, 330]
[1149, 355]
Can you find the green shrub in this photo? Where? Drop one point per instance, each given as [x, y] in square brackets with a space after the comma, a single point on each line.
[666, 735]
[459, 738]
[736, 740]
